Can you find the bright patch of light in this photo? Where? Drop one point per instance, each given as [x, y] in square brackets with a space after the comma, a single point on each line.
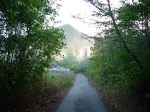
[70, 8]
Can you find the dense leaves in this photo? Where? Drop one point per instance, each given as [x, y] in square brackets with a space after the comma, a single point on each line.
[120, 59]
[70, 60]
[27, 43]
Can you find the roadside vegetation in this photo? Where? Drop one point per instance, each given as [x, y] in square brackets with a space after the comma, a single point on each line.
[29, 98]
[120, 59]
[119, 63]
[28, 42]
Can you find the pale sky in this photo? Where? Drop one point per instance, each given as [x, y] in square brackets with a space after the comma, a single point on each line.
[75, 7]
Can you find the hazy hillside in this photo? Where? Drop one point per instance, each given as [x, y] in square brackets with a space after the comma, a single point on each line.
[74, 39]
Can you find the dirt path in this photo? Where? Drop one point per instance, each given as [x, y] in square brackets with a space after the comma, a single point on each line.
[82, 97]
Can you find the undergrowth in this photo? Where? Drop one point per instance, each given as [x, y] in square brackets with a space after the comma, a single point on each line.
[22, 98]
[122, 99]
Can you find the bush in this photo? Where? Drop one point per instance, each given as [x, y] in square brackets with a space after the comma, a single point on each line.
[22, 98]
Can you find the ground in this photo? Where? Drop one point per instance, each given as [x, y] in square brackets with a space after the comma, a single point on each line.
[82, 97]
[110, 106]
[51, 104]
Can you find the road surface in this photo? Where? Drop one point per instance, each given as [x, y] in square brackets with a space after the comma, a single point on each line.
[82, 97]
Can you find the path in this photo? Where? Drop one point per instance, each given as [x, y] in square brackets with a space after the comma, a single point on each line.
[82, 97]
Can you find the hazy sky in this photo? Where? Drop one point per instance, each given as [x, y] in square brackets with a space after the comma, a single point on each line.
[74, 7]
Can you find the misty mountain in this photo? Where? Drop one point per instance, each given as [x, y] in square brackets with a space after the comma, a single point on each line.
[74, 39]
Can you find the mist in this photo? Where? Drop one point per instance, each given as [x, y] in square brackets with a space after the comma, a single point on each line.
[74, 42]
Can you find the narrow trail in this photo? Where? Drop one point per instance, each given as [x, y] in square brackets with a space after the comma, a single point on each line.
[82, 97]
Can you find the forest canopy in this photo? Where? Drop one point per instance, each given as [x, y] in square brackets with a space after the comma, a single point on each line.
[27, 42]
[119, 62]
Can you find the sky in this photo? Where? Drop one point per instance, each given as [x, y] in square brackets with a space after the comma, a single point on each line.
[71, 8]
[78, 7]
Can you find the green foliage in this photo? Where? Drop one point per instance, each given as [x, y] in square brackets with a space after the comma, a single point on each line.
[61, 80]
[39, 91]
[120, 55]
[27, 43]
[70, 61]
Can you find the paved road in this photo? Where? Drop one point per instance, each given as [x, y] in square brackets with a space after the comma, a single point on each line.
[81, 98]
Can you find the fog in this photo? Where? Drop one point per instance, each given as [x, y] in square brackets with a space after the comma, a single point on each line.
[74, 42]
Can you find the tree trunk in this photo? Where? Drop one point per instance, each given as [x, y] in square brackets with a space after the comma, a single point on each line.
[122, 39]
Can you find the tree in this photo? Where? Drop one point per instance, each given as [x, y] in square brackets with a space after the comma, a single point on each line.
[120, 53]
[27, 44]
[70, 61]
[106, 10]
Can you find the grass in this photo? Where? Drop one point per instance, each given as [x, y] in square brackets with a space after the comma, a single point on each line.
[120, 98]
[54, 82]
[22, 98]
